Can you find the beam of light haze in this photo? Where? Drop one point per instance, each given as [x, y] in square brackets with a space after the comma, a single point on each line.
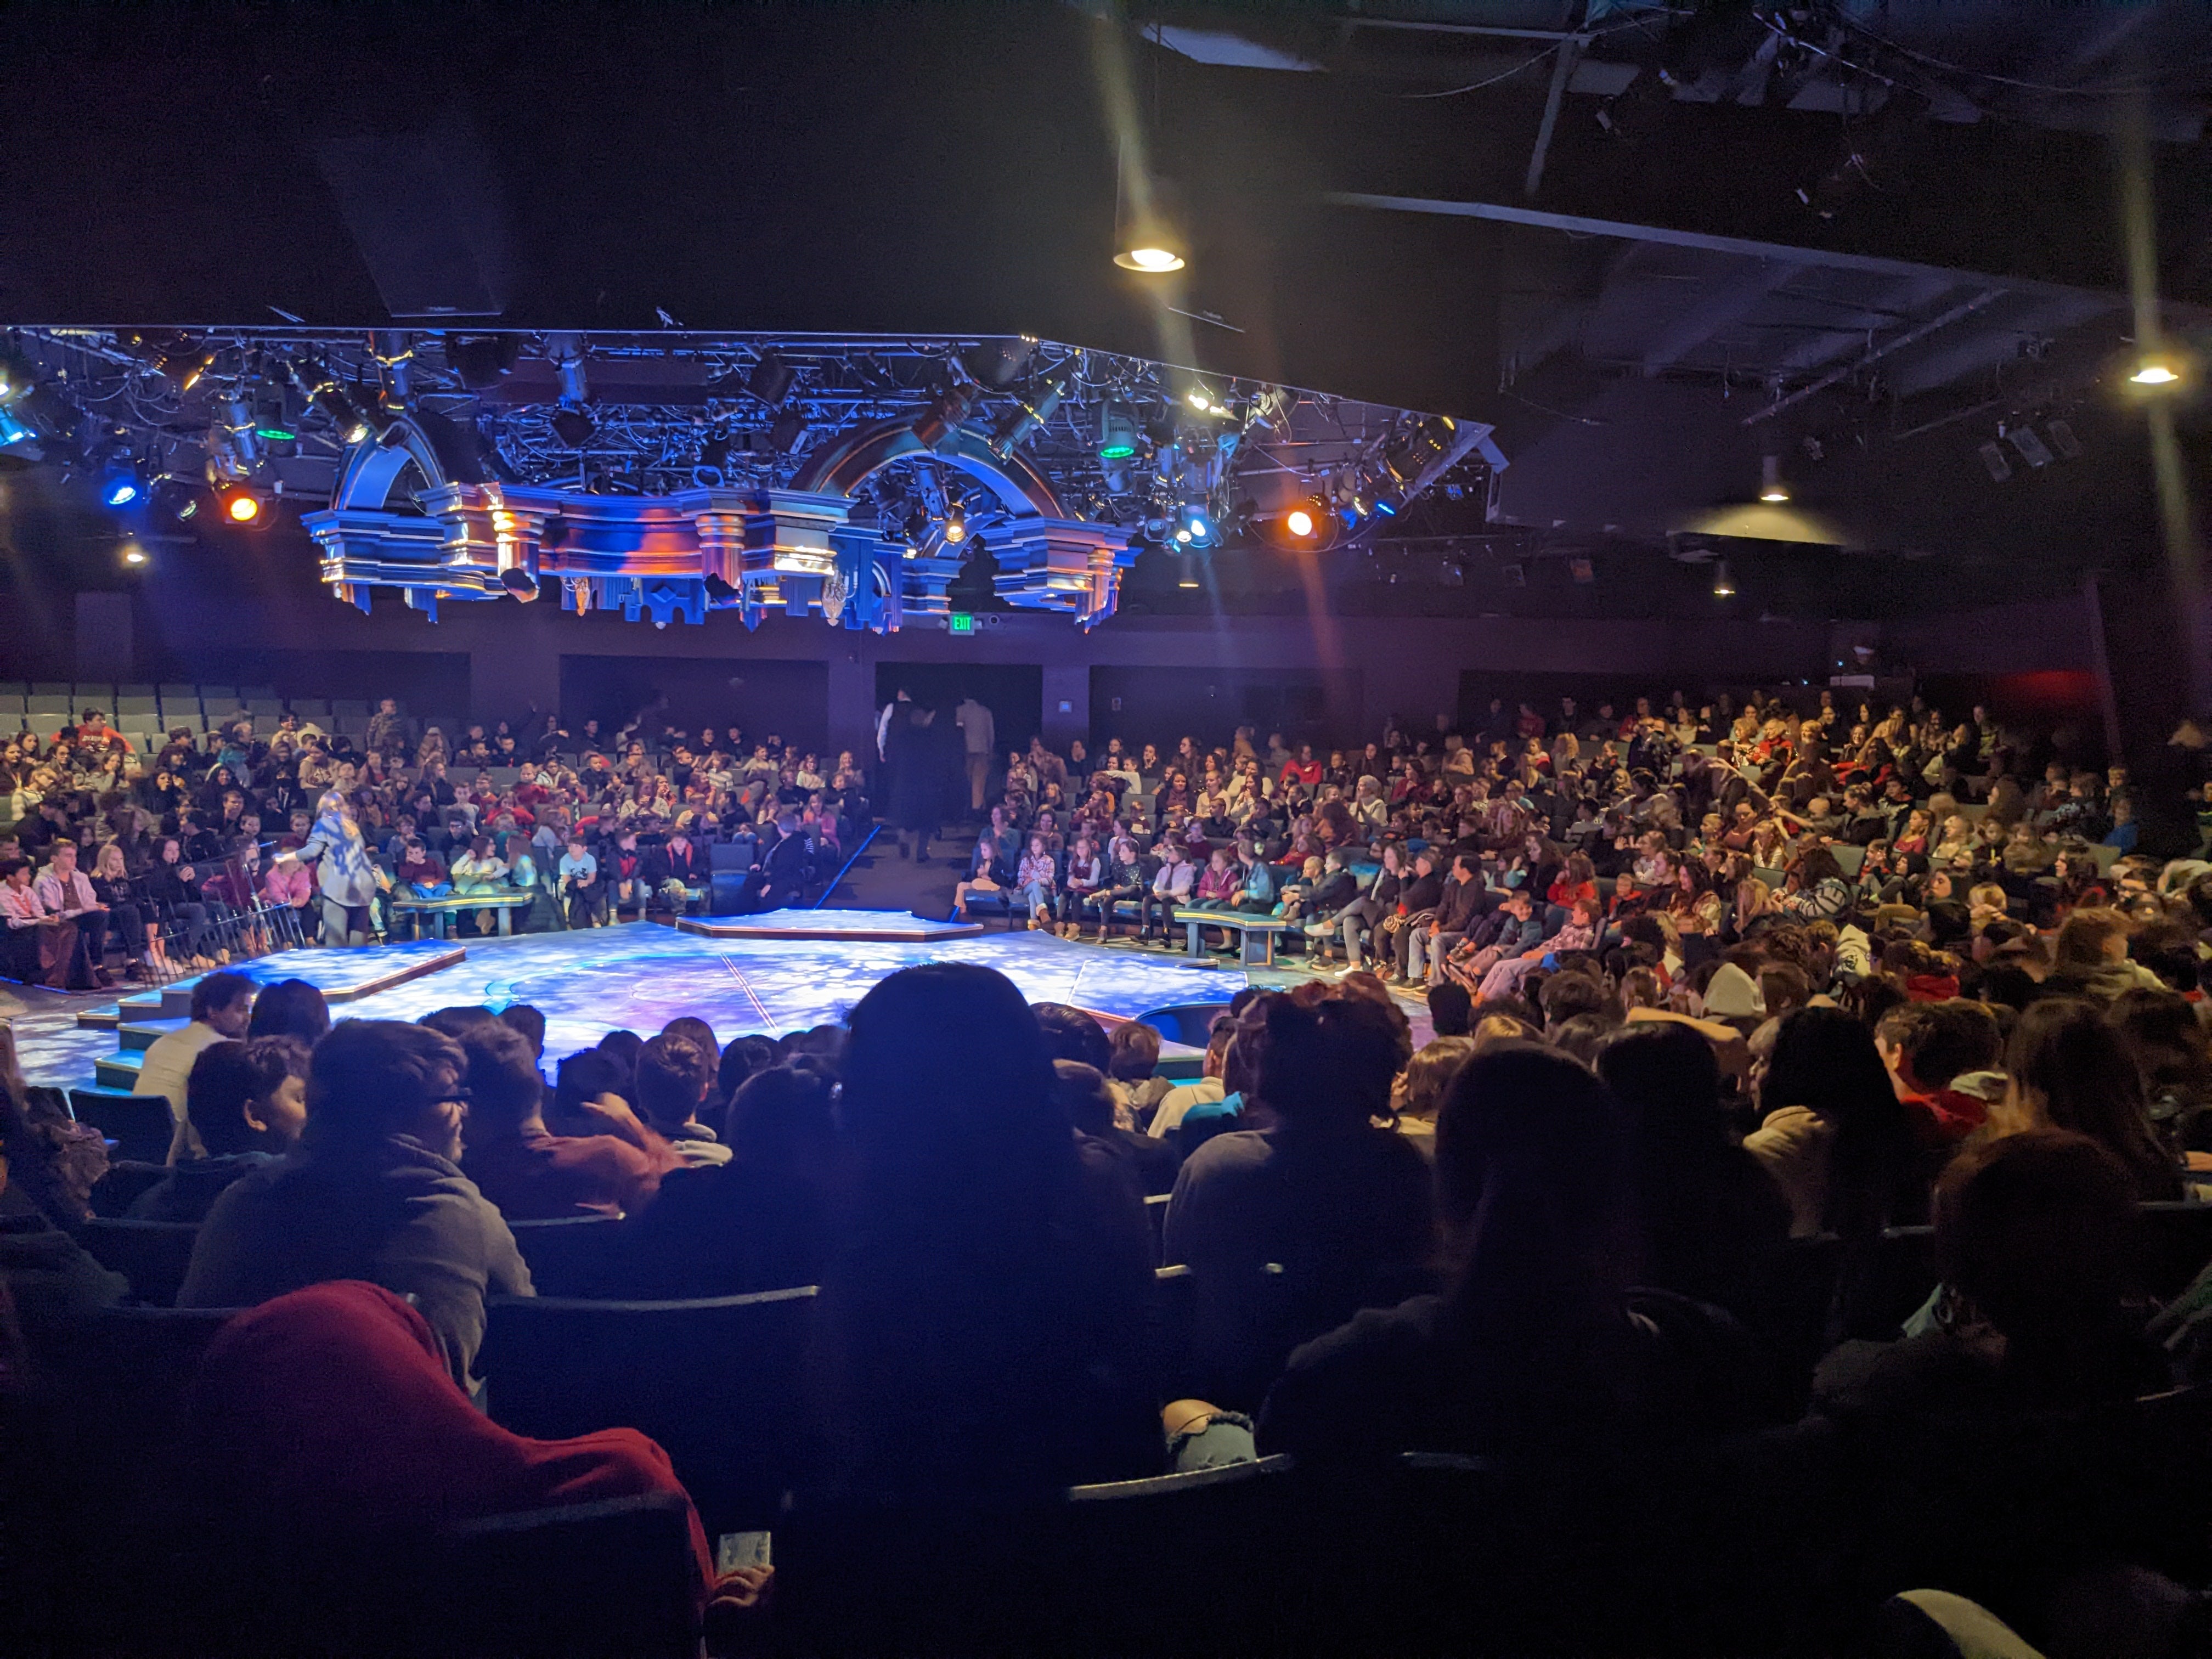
[2176, 512]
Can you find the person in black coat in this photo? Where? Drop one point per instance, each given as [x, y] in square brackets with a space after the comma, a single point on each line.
[913, 795]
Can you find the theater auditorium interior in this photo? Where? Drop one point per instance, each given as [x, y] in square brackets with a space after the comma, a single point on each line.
[1106, 827]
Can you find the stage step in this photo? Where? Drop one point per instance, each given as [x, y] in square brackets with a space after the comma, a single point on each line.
[144, 1005]
[118, 1071]
[137, 1035]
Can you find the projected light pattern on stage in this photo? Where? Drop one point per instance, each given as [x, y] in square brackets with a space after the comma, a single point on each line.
[639, 976]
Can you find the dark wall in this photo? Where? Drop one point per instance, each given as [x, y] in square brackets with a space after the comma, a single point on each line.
[1166, 704]
[425, 682]
[789, 699]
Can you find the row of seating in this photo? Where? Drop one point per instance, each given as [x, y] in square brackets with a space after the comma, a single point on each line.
[1757, 1542]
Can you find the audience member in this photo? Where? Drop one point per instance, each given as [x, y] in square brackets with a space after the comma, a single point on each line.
[247, 1103]
[374, 1192]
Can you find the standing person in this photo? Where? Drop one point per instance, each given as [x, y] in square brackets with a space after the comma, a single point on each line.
[980, 733]
[344, 877]
[912, 792]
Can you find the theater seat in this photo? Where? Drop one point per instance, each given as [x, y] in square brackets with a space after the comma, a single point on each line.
[140, 1125]
[152, 1254]
[716, 1382]
[1177, 1563]
[571, 1255]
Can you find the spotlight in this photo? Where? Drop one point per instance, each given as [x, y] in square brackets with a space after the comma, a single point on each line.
[15, 433]
[2156, 370]
[1724, 583]
[322, 389]
[1145, 240]
[133, 554]
[1771, 489]
[937, 425]
[1117, 430]
[120, 484]
[770, 380]
[1182, 535]
[566, 353]
[1299, 522]
[1200, 527]
[240, 505]
[994, 363]
[1026, 418]
[790, 426]
[956, 524]
[1152, 256]
[483, 361]
[573, 427]
[182, 363]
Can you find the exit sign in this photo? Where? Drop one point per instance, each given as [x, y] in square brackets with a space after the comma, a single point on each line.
[962, 623]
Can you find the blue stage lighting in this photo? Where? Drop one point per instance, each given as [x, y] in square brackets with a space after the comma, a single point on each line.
[119, 485]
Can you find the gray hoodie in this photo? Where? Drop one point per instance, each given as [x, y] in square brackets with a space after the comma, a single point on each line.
[388, 1210]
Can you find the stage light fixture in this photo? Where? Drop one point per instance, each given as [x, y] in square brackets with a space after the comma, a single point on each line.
[1182, 534]
[120, 485]
[770, 380]
[956, 524]
[2156, 370]
[573, 427]
[1771, 488]
[1724, 583]
[322, 388]
[1015, 426]
[566, 353]
[240, 505]
[483, 361]
[133, 554]
[790, 426]
[1299, 522]
[1117, 430]
[183, 364]
[15, 433]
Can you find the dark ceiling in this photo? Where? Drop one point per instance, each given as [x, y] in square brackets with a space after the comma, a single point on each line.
[1617, 234]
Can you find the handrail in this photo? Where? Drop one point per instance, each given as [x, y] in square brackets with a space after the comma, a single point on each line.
[868, 841]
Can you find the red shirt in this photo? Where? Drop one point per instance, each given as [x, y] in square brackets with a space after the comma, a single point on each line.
[1305, 772]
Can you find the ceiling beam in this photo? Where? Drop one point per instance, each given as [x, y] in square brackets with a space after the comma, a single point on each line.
[1576, 224]
[1726, 302]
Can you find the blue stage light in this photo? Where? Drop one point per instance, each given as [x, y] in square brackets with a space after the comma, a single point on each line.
[119, 485]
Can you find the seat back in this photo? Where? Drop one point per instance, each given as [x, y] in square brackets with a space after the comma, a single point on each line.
[152, 1254]
[1172, 1564]
[581, 1579]
[570, 1256]
[715, 1382]
[140, 1125]
[125, 1182]
[1185, 1022]
[2177, 1245]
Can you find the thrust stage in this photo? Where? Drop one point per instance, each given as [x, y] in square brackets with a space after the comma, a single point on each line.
[788, 970]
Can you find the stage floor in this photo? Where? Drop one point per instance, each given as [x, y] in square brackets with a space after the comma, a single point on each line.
[639, 975]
